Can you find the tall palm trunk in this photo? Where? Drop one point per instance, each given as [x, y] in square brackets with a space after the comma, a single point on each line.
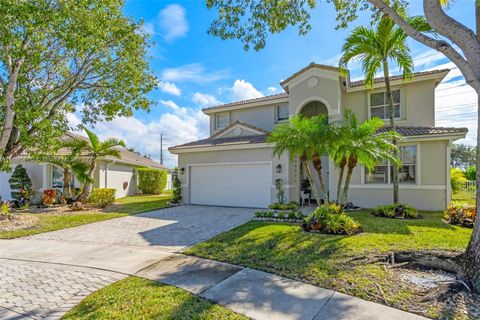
[317, 164]
[391, 112]
[310, 179]
[341, 165]
[87, 187]
[352, 163]
[67, 179]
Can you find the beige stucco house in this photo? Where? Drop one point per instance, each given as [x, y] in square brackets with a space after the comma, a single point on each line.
[235, 166]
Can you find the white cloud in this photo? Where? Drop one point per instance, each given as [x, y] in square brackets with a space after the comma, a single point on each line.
[172, 22]
[205, 100]
[243, 90]
[179, 126]
[273, 90]
[194, 72]
[170, 87]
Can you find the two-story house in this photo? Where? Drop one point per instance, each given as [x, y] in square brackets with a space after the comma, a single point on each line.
[235, 166]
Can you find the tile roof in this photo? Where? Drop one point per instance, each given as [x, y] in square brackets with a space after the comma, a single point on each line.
[310, 66]
[256, 100]
[262, 138]
[220, 142]
[393, 78]
[421, 131]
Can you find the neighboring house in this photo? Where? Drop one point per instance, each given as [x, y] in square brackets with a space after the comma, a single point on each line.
[111, 172]
[235, 166]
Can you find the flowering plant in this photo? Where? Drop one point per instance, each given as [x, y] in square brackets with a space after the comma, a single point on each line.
[48, 197]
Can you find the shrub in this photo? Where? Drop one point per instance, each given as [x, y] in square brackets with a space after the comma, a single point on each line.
[177, 190]
[21, 185]
[48, 197]
[330, 220]
[457, 179]
[282, 215]
[102, 197]
[396, 211]
[5, 212]
[471, 173]
[292, 205]
[152, 181]
[461, 215]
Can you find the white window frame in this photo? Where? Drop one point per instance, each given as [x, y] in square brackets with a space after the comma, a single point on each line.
[389, 166]
[369, 96]
[277, 114]
[217, 115]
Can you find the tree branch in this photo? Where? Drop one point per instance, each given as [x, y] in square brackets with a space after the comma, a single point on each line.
[442, 46]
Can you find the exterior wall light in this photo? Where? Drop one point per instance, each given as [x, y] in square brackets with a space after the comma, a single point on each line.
[279, 168]
[182, 170]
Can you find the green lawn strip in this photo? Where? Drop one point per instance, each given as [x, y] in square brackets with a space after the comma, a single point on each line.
[50, 222]
[136, 298]
[324, 260]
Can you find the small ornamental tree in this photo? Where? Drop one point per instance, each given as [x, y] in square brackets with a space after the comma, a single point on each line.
[20, 184]
[152, 181]
[177, 190]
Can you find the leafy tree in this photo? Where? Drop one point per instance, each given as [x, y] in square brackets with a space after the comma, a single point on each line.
[20, 184]
[457, 179]
[251, 21]
[376, 47]
[177, 190]
[462, 155]
[58, 54]
[94, 149]
[471, 173]
[358, 143]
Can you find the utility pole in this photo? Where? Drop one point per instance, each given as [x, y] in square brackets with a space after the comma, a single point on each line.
[161, 148]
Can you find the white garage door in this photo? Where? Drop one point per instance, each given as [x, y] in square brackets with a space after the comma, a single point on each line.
[234, 185]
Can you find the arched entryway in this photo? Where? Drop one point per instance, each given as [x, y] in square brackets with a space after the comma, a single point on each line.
[309, 109]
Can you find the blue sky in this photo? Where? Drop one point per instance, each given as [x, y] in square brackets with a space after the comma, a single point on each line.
[198, 70]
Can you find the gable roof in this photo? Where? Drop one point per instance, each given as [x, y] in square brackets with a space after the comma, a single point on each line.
[238, 123]
[310, 66]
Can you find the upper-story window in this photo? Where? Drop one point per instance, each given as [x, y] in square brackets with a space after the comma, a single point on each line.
[281, 113]
[383, 172]
[379, 104]
[222, 120]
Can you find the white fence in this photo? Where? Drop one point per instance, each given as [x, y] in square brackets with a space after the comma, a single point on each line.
[466, 191]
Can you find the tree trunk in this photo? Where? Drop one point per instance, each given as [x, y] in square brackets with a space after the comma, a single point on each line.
[471, 266]
[352, 163]
[317, 164]
[310, 179]
[391, 112]
[87, 187]
[67, 178]
[342, 165]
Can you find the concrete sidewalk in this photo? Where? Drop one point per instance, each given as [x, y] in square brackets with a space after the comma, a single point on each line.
[260, 295]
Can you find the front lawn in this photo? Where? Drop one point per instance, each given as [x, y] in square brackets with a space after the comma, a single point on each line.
[44, 222]
[326, 260]
[136, 298]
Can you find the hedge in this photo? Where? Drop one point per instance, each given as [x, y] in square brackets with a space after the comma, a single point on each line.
[152, 181]
[102, 197]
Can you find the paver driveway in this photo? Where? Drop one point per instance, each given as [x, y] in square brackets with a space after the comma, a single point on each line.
[56, 268]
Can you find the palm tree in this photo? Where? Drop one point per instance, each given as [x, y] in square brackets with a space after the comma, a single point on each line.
[361, 144]
[94, 148]
[375, 47]
[294, 138]
[308, 139]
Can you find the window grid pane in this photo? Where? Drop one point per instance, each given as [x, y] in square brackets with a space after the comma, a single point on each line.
[222, 121]
[379, 174]
[407, 172]
[379, 105]
[282, 113]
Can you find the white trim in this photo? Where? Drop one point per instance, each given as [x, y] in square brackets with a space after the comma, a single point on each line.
[389, 186]
[244, 106]
[315, 71]
[221, 148]
[314, 98]
[446, 136]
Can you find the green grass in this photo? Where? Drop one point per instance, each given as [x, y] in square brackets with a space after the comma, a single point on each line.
[325, 260]
[135, 298]
[51, 222]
